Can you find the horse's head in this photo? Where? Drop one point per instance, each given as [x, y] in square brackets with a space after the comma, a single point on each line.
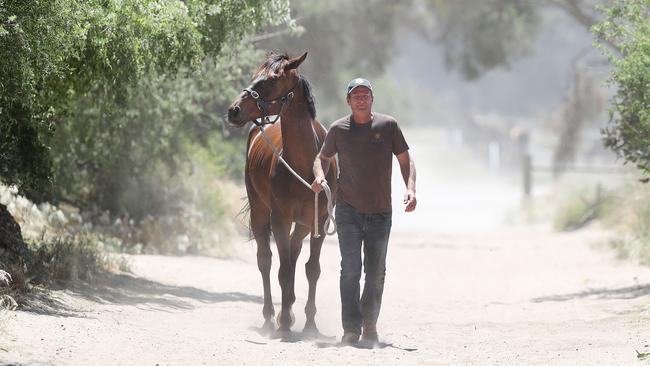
[270, 88]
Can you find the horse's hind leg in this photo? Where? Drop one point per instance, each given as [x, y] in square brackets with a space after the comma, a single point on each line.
[312, 269]
[261, 228]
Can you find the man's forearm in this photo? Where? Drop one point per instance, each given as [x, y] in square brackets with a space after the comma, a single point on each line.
[319, 170]
[408, 174]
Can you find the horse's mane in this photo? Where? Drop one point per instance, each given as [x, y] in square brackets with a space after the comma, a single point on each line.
[273, 65]
[309, 96]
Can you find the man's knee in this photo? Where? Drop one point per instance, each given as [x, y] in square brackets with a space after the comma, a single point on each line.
[376, 277]
[350, 270]
[350, 275]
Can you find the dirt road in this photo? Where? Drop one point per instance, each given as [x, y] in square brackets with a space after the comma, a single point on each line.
[461, 289]
[520, 296]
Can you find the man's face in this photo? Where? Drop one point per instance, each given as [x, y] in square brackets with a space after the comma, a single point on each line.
[360, 99]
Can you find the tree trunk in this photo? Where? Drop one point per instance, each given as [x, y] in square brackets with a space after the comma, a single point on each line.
[12, 245]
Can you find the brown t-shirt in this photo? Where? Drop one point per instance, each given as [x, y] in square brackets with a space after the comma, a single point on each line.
[365, 160]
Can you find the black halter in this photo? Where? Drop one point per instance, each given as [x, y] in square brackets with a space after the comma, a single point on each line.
[263, 105]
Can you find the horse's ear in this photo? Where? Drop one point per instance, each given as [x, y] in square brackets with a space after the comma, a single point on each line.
[295, 62]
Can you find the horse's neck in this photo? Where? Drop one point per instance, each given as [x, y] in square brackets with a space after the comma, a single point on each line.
[298, 140]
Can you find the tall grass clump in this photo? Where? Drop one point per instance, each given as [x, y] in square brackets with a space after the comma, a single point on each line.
[631, 218]
[42, 244]
[624, 209]
[580, 206]
[6, 300]
[77, 257]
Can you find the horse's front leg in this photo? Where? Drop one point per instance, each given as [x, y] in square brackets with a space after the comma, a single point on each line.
[312, 269]
[281, 227]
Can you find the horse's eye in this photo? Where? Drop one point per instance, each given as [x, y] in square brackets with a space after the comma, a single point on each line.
[254, 94]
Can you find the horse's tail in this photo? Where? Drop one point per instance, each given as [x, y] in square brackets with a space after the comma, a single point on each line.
[244, 216]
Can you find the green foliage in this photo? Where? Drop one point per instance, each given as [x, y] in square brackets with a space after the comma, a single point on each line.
[349, 39]
[23, 154]
[125, 161]
[479, 36]
[627, 26]
[63, 62]
[198, 216]
[345, 39]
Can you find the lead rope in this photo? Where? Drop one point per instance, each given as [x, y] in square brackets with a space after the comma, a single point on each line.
[326, 188]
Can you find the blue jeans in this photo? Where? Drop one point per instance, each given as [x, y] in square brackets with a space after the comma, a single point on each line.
[354, 231]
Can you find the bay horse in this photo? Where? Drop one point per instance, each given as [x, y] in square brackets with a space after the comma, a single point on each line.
[278, 200]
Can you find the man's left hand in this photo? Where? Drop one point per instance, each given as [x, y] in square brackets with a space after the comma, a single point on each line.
[410, 201]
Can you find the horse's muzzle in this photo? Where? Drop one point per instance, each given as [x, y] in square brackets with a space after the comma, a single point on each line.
[233, 112]
[235, 117]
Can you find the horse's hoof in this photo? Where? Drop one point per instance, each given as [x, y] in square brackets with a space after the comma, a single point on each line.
[269, 327]
[292, 320]
[283, 334]
[310, 331]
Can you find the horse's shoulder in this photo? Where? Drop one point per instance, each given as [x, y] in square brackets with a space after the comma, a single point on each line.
[258, 150]
[269, 130]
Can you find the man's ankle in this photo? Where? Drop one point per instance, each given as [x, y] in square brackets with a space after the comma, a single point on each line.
[369, 340]
[369, 333]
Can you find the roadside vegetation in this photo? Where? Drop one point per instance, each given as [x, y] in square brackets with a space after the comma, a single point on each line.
[47, 244]
[624, 37]
[111, 135]
[625, 209]
[111, 131]
[579, 206]
[632, 220]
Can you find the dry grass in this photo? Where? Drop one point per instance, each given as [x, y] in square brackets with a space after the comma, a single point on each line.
[631, 218]
[6, 300]
[625, 209]
[582, 206]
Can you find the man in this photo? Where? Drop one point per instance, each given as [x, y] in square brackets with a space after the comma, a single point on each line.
[365, 142]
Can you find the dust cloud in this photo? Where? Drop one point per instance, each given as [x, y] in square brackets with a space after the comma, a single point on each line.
[456, 192]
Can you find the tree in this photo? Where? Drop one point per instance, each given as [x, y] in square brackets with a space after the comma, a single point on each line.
[77, 75]
[125, 162]
[627, 25]
[345, 39]
[479, 36]
[54, 54]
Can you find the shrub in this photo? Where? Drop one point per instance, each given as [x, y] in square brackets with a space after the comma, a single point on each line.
[581, 207]
[627, 28]
[631, 218]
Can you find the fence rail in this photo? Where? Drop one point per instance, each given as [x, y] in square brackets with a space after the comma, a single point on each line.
[528, 168]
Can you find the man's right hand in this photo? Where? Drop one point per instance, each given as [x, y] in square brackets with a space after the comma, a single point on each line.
[316, 186]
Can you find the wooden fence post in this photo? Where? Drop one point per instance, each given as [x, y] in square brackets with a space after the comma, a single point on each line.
[527, 168]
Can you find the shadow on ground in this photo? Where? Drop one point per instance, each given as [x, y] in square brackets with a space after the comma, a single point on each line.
[44, 302]
[125, 289]
[289, 337]
[320, 340]
[630, 292]
[365, 345]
